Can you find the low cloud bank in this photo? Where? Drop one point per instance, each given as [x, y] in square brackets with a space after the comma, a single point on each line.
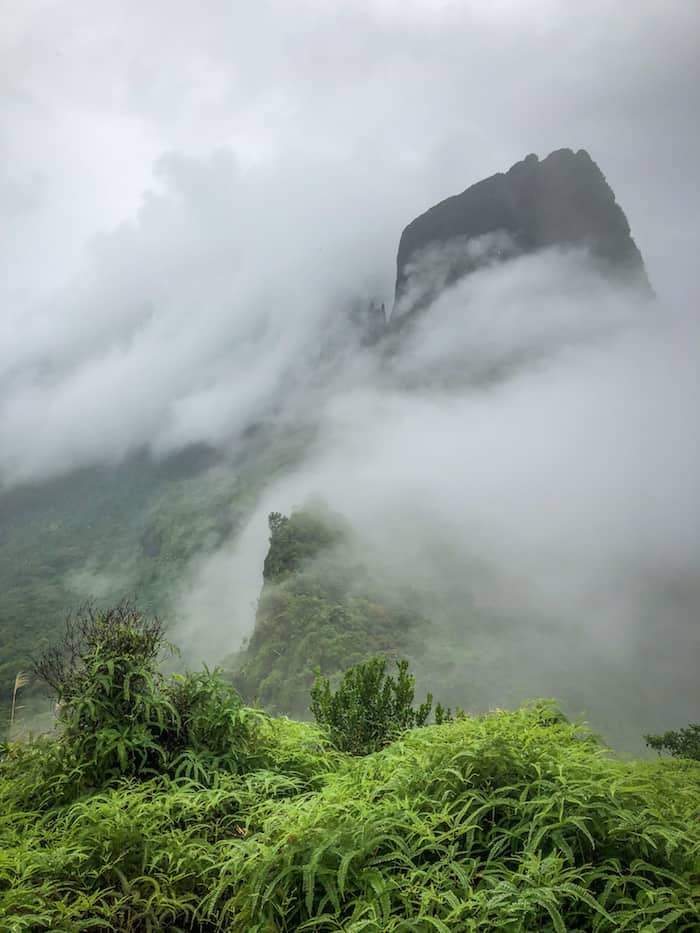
[535, 452]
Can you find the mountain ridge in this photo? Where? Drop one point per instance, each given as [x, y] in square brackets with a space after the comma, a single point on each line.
[561, 200]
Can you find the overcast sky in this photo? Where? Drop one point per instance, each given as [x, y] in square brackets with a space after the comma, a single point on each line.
[178, 179]
[188, 188]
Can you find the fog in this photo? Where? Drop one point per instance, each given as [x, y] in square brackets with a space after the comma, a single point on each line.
[555, 483]
[183, 323]
[189, 201]
[182, 195]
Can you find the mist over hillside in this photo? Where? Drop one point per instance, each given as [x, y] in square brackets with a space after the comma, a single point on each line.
[523, 456]
[349, 466]
[508, 468]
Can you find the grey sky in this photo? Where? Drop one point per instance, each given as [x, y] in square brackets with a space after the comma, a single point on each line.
[176, 176]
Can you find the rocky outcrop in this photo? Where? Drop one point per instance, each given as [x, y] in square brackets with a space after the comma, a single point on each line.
[563, 199]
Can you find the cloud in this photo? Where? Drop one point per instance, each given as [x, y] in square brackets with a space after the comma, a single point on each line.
[495, 319]
[188, 200]
[185, 320]
[458, 90]
[533, 460]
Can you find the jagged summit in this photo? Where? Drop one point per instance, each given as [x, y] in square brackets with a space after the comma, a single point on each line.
[562, 199]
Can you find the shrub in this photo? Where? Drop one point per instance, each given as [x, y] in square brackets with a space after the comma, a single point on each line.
[214, 731]
[370, 708]
[685, 743]
[111, 701]
[119, 716]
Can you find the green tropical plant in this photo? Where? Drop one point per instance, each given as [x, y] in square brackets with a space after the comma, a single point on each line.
[111, 700]
[370, 708]
[120, 717]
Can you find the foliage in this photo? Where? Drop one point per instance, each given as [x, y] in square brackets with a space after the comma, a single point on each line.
[110, 699]
[515, 821]
[319, 607]
[118, 715]
[122, 640]
[370, 708]
[132, 528]
[298, 538]
[685, 743]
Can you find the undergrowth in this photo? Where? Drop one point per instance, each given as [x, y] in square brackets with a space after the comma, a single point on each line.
[514, 821]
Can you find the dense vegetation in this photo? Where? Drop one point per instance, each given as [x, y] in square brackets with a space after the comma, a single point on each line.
[100, 532]
[370, 708]
[132, 529]
[319, 608]
[330, 602]
[137, 528]
[166, 805]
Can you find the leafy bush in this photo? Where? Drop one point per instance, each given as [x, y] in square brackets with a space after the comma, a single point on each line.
[370, 708]
[120, 718]
[685, 743]
[214, 731]
[110, 699]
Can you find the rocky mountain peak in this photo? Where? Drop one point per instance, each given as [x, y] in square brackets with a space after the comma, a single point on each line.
[563, 199]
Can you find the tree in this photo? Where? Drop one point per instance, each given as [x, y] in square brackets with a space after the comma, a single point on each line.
[685, 743]
[297, 539]
[370, 708]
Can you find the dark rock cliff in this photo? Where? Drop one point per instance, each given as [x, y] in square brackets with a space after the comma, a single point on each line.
[563, 199]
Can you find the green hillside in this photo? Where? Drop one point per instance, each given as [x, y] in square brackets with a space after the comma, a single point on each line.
[328, 602]
[320, 607]
[127, 531]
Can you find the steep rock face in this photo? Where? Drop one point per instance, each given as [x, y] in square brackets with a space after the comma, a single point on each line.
[319, 606]
[563, 199]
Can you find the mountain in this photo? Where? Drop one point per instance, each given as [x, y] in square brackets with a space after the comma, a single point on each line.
[134, 529]
[562, 200]
[321, 605]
